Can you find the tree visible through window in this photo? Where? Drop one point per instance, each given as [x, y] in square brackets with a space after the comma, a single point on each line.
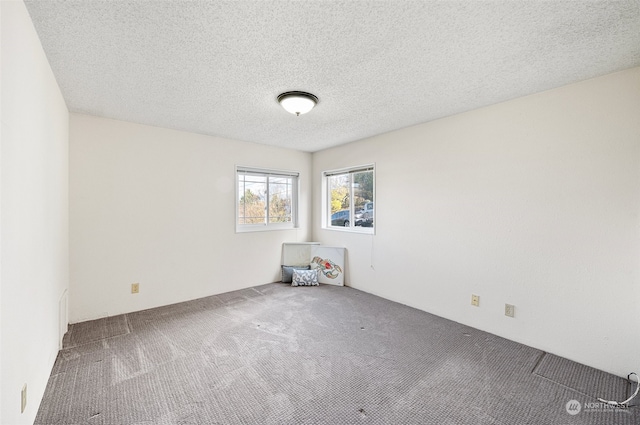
[266, 198]
[351, 197]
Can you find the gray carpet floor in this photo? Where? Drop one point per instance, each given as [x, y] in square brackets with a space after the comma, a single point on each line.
[276, 354]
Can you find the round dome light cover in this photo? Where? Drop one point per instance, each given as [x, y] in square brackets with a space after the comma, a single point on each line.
[297, 102]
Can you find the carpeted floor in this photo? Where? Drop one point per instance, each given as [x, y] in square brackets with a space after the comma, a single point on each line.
[276, 354]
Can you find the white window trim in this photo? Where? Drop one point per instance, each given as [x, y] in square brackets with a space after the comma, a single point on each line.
[325, 200]
[264, 227]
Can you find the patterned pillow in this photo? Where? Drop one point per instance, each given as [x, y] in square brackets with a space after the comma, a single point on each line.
[287, 272]
[305, 278]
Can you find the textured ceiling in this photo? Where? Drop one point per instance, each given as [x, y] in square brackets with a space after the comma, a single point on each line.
[216, 67]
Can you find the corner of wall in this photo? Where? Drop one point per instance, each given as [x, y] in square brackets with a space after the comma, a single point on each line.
[34, 215]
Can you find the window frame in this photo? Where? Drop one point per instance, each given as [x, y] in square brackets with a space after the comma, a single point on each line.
[266, 172]
[326, 199]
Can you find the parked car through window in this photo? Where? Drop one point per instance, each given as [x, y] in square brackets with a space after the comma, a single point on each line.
[340, 218]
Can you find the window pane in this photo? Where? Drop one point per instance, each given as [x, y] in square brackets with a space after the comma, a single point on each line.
[363, 198]
[280, 199]
[340, 199]
[266, 199]
[350, 199]
[252, 199]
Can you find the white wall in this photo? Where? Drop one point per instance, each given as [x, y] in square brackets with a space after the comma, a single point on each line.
[156, 206]
[34, 215]
[533, 202]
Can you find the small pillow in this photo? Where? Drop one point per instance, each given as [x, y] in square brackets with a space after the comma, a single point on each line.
[305, 278]
[287, 272]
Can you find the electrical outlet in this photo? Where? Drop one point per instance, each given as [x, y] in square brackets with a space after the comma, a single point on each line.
[509, 310]
[475, 300]
[23, 398]
[135, 288]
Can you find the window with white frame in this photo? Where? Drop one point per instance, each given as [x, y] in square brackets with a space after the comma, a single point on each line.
[350, 199]
[266, 199]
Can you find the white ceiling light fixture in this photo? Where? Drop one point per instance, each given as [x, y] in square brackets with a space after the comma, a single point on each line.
[297, 102]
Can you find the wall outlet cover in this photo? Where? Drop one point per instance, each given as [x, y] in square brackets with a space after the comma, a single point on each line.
[135, 288]
[475, 300]
[509, 310]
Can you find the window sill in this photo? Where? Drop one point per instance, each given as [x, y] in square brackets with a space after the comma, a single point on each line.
[357, 229]
[263, 228]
